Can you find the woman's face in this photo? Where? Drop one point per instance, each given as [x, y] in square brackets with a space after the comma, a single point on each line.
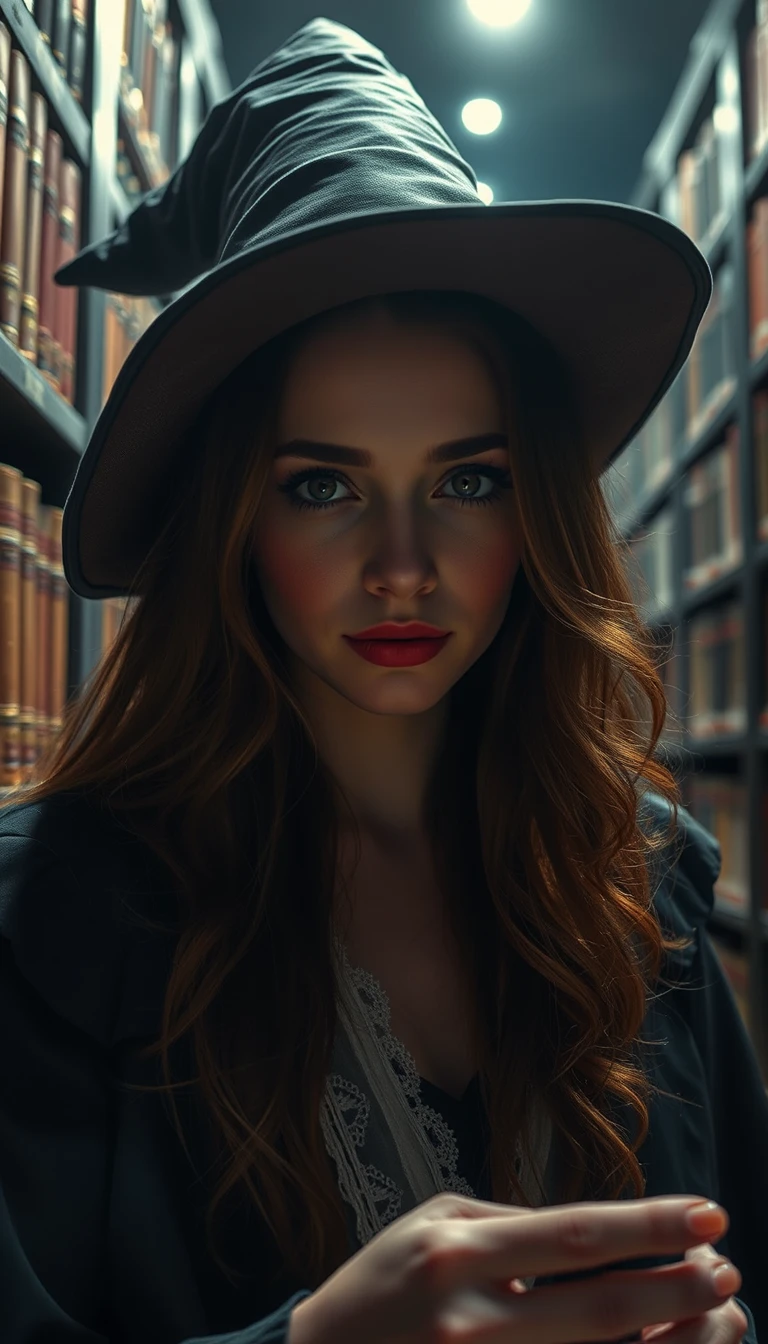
[396, 542]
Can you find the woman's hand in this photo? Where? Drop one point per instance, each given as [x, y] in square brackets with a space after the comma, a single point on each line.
[453, 1270]
[725, 1324]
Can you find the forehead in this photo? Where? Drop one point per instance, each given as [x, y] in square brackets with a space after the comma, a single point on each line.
[353, 369]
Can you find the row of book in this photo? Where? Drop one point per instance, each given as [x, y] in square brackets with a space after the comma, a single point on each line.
[34, 625]
[708, 379]
[63, 26]
[712, 534]
[717, 693]
[711, 702]
[40, 205]
[651, 568]
[149, 92]
[711, 366]
[719, 802]
[126, 319]
[704, 385]
[699, 205]
[711, 499]
[711, 507]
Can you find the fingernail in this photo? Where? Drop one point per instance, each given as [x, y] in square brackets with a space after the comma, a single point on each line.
[705, 1218]
[726, 1279]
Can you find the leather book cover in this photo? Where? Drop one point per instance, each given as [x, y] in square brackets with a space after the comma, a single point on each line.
[62, 23]
[77, 48]
[148, 77]
[47, 355]
[139, 38]
[44, 19]
[65, 327]
[14, 197]
[125, 52]
[166, 114]
[30, 294]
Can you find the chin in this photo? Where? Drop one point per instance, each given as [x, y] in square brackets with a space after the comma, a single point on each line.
[397, 700]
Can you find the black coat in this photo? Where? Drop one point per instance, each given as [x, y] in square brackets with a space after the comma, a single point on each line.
[101, 1215]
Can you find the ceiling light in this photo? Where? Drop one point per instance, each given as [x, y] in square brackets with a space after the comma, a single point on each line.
[481, 116]
[498, 13]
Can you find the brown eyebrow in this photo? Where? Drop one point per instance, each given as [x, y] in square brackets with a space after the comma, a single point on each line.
[328, 453]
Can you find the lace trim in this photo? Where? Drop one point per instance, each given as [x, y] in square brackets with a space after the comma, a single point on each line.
[376, 1197]
[377, 1009]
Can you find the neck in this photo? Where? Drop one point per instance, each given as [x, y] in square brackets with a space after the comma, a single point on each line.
[382, 763]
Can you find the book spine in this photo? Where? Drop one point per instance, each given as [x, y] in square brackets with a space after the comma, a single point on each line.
[47, 360]
[14, 198]
[136, 54]
[62, 23]
[5, 72]
[160, 97]
[44, 19]
[10, 625]
[148, 75]
[125, 52]
[170, 104]
[30, 301]
[65, 330]
[77, 48]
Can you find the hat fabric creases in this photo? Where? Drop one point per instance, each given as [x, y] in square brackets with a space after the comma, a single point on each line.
[324, 179]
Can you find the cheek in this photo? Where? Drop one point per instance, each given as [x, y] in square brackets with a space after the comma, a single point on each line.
[296, 586]
[486, 576]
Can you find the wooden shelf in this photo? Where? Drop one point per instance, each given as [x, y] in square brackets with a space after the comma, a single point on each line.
[32, 412]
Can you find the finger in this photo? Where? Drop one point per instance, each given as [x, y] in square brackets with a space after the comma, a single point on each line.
[555, 1240]
[617, 1305]
[695, 1330]
[723, 1325]
[705, 1250]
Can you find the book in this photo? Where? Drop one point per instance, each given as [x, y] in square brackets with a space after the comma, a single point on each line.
[78, 41]
[14, 197]
[62, 24]
[30, 298]
[44, 19]
[65, 328]
[47, 352]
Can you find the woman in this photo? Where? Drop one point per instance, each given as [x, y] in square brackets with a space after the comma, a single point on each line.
[331, 957]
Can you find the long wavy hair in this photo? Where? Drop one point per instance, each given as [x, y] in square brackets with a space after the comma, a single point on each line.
[189, 732]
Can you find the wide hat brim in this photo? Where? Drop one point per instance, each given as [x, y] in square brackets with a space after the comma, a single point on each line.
[619, 292]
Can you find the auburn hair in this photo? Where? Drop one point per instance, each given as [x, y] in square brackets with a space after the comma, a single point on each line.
[188, 730]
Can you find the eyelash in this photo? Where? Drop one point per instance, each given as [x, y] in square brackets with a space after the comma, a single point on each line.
[502, 481]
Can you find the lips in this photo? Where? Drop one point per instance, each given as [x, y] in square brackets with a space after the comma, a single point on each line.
[389, 630]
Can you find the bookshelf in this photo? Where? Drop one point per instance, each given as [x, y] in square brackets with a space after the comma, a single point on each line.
[106, 130]
[689, 492]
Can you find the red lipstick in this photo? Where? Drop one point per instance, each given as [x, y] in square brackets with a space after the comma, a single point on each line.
[398, 644]
[401, 630]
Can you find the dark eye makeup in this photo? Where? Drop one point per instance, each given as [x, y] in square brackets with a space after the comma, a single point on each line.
[498, 475]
